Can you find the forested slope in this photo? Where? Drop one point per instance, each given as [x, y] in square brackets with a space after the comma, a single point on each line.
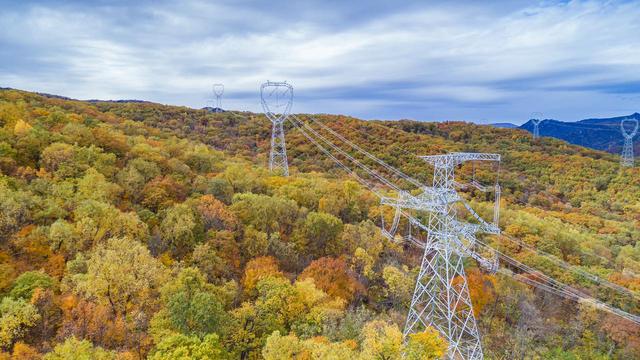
[135, 230]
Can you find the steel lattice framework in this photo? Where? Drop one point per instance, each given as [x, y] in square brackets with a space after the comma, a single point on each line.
[441, 296]
[626, 159]
[536, 118]
[277, 99]
[218, 91]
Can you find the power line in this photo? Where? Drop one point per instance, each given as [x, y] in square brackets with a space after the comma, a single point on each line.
[558, 287]
[452, 316]
[443, 256]
[366, 153]
[342, 165]
[574, 269]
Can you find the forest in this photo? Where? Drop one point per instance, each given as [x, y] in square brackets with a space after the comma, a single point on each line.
[134, 230]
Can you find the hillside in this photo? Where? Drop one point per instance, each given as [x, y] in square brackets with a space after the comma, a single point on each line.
[135, 230]
[600, 134]
[505, 125]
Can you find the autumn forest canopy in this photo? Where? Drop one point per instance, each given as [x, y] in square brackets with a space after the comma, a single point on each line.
[145, 231]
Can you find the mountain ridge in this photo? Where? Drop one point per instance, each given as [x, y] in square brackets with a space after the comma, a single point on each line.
[596, 133]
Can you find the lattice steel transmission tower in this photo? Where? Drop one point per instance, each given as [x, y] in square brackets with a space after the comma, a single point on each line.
[277, 99]
[218, 91]
[536, 118]
[441, 296]
[627, 160]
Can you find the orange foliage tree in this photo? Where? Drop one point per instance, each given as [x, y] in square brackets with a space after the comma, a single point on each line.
[334, 277]
[258, 269]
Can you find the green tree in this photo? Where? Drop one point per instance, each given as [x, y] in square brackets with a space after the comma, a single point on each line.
[192, 306]
[56, 155]
[254, 242]
[97, 221]
[318, 231]
[181, 229]
[16, 317]
[63, 237]
[15, 209]
[280, 306]
[221, 189]
[120, 273]
[94, 186]
[243, 180]
[399, 285]
[208, 260]
[78, 134]
[202, 158]
[288, 347]
[27, 282]
[74, 349]
[265, 213]
[183, 347]
[278, 347]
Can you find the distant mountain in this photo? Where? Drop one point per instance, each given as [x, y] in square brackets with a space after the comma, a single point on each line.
[504, 125]
[124, 101]
[599, 134]
[60, 97]
[213, 109]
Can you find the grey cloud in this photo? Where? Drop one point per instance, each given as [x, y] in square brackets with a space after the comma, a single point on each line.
[462, 60]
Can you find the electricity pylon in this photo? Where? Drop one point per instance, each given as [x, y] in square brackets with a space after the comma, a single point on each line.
[441, 296]
[536, 118]
[277, 99]
[627, 160]
[218, 90]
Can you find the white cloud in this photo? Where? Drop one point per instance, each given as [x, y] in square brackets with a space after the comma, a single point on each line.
[425, 61]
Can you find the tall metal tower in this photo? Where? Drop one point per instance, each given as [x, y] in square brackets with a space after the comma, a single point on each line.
[627, 160]
[536, 118]
[441, 296]
[277, 99]
[218, 90]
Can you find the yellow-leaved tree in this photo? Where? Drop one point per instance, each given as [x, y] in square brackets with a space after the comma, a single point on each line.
[426, 345]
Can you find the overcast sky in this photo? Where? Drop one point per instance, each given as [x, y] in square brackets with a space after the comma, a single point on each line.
[465, 60]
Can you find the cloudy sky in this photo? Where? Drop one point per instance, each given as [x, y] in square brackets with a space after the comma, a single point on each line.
[425, 60]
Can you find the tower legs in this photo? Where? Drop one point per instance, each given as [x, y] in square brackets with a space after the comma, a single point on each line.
[278, 163]
[441, 300]
[627, 153]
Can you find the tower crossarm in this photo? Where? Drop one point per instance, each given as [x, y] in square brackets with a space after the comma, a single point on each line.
[277, 99]
[457, 158]
[629, 134]
[468, 230]
[430, 199]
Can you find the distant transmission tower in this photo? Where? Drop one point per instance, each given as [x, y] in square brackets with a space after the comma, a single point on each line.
[441, 296]
[277, 99]
[536, 118]
[218, 91]
[627, 149]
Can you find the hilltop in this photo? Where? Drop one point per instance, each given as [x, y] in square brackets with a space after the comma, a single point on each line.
[600, 134]
[148, 231]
